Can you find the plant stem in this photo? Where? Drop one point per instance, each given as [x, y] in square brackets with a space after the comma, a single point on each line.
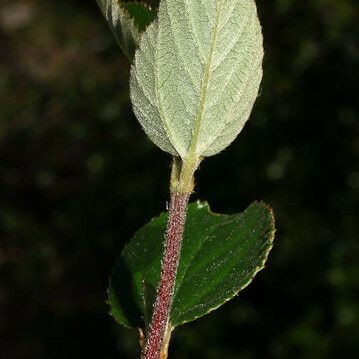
[181, 185]
[160, 319]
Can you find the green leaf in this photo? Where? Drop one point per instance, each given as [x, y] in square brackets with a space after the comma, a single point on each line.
[220, 256]
[197, 73]
[127, 20]
[141, 13]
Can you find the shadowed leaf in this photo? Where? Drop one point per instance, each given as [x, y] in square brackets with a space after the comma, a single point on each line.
[220, 256]
[127, 20]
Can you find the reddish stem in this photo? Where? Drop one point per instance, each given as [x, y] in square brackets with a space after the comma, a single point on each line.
[172, 251]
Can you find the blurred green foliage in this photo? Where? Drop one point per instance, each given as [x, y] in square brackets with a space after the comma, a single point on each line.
[78, 177]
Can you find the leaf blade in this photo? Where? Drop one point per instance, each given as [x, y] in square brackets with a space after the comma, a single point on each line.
[127, 21]
[224, 281]
[199, 289]
[195, 54]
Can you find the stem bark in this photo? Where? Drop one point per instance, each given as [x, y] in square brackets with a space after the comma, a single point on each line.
[156, 346]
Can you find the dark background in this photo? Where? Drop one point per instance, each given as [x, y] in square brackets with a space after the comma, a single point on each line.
[78, 177]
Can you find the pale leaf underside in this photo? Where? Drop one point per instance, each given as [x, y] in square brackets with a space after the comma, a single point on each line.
[197, 74]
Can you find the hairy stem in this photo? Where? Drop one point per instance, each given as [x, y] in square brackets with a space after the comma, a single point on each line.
[160, 325]
[181, 185]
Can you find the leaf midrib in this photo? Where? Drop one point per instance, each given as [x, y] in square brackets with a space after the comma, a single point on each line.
[159, 102]
[204, 88]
